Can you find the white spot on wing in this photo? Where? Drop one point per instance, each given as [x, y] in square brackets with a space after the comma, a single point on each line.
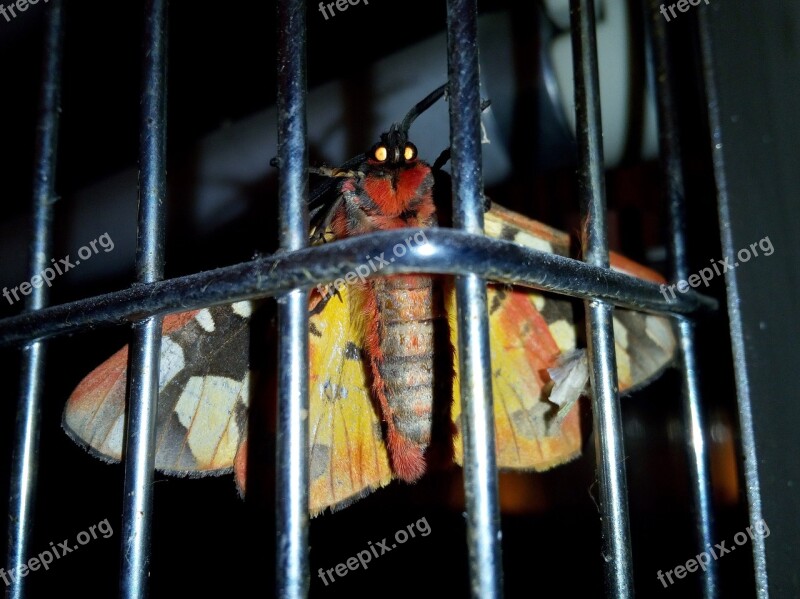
[563, 333]
[660, 331]
[172, 361]
[494, 228]
[243, 309]
[620, 333]
[205, 320]
[206, 408]
[623, 363]
[526, 239]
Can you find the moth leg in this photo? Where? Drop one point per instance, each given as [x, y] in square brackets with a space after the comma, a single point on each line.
[329, 171]
[324, 299]
[322, 220]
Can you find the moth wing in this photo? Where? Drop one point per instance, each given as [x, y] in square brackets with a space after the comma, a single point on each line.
[348, 456]
[204, 392]
[523, 347]
[533, 341]
[645, 343]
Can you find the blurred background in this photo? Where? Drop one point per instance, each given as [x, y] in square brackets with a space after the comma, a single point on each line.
[366, 67]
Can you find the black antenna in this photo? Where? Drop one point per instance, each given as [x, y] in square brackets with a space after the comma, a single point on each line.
[422, 107]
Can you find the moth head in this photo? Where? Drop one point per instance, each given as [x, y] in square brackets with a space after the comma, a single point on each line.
[393, 150]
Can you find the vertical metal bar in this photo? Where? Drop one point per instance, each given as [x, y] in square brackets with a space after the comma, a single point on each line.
[292, 438]
[746, 428]
[480, 472]
[600, 333]
[24, 463]
[146, 343]
[675, 192]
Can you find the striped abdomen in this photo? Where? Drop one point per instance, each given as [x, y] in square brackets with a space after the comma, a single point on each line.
[408, 320]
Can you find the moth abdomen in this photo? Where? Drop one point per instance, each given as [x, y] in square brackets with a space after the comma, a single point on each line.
[408, 317]
[409, 391]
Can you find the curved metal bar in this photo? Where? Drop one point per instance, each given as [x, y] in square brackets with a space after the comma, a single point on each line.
[446, 251]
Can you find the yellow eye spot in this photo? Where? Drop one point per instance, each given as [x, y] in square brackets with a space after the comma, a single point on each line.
[410, 152]
[381, 153]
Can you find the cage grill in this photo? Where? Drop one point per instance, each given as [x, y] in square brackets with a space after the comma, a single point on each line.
[462, 252]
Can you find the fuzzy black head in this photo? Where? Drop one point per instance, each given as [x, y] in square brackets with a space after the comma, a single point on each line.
[393, 149]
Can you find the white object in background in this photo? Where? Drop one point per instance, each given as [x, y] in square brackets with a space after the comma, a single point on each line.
[614, 51]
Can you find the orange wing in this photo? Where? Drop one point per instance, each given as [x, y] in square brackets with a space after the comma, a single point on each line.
[531, 334]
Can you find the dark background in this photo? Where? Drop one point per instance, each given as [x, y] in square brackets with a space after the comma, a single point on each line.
[206, 541]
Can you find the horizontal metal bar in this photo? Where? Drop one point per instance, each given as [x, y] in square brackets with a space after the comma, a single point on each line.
[446, 251]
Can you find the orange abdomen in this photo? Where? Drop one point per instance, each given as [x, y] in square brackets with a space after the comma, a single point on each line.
[408, 321]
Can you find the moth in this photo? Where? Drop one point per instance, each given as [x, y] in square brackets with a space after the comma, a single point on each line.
[384, 391]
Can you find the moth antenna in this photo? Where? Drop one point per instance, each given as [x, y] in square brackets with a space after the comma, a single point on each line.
[422, 106]
[444, 157]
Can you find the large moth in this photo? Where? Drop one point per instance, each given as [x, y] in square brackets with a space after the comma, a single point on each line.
[384, 396]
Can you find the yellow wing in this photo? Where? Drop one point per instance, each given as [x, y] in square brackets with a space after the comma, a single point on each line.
[348, 457]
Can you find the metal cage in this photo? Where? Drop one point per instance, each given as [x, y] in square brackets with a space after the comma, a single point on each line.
[463, 252]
